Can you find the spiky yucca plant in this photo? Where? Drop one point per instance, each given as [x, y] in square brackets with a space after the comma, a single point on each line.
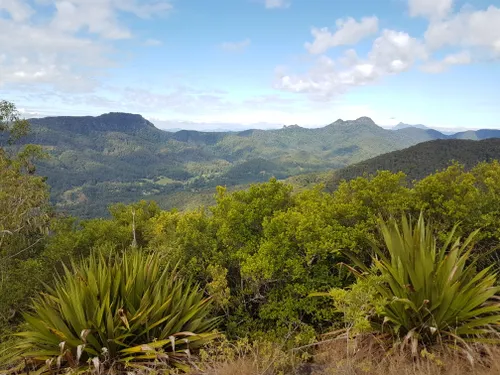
[115, 314]
[435, 293]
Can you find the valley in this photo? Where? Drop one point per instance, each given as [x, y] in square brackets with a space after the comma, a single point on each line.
[120, 157]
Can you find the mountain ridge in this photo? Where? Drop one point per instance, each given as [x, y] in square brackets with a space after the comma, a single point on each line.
[402, 125]
[420, 160]
[137, 122]
[124, 157]
[112, 121]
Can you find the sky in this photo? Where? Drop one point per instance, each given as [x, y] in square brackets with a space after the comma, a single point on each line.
[206, 64]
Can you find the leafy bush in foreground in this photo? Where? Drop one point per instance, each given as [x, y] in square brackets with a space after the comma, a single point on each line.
[118, 313]
[434, 293]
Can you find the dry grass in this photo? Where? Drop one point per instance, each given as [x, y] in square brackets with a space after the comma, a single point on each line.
[244, 357]
[365, 357]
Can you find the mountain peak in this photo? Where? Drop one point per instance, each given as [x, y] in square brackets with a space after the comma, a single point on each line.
[338, 122]
[122, 115]
[111, 122]
[125, 120]
[360, 121]
[402, 125]
[292, 126]
[365, 120]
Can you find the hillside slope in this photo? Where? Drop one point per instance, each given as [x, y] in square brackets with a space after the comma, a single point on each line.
[422, 159]
[123, 157]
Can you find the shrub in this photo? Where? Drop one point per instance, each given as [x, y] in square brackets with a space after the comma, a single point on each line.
[358, 304]
[118, 313]
[435, 294]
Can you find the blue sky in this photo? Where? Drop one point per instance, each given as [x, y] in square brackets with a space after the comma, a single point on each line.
[230, 63]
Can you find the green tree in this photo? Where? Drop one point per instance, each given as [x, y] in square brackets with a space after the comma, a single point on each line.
[24, 216]
[12, 125]
[487, 181]
[295, 257]
[450, 196]
[240, 216]
[186, 238]
[135, 216]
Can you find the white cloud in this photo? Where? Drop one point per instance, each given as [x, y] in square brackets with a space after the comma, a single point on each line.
[181, 99]
[236, 46]
[433, 9]
[18, 10]
[39, 55]
[349, 31]
[468, 28]
[393, 52]
[141, 8]
[53, 48]
[473, 35]
[460, 58]
[100, 16]
[273, 4]
[396, 51]
[153, 42]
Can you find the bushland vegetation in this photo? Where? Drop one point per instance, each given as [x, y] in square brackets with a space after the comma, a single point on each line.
[379, 276]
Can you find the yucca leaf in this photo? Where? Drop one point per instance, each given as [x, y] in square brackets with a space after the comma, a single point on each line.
[435, 292]
[130, 310]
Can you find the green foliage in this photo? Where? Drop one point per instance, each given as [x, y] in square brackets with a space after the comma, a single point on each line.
[185, 238]
[421, 160]
[487, 181]
[296, 251]
[23, 204]
[24, 219]
[359, 303]
[239, 216]
[262, 251]
[447, 194]
[135, 217]
[11, 122]
[434, 293]
[361, 199]
[121, 313]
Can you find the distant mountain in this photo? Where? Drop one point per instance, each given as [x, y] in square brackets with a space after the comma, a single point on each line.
[120, 157]
[477, 134]
[421, 135]
[402, 125]
[217, 130]
[174, 125]
[453, 133]
[422, 159]
[114, 121]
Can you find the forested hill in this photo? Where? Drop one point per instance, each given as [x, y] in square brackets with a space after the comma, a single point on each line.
[422, 159]
[120, 157]
[85, 125]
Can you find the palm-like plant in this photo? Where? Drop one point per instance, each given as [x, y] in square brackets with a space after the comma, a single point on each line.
[120, 313]
[434, 293]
